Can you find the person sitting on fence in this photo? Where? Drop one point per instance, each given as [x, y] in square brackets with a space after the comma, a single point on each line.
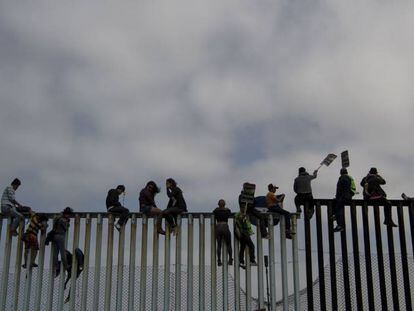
[10, 207]
[221, 217]
[147, 204]
[374, 193]
[303, 189]
[114, 206]
[274, 204]
[345, 190]
[176, 204]
[58, 237]
[243, 231]
[31, 244]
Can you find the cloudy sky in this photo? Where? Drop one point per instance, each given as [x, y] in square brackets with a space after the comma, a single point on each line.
[212, 93]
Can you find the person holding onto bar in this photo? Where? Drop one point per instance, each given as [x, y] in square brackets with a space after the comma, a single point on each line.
[345, 190]
[274, 204]
[147, 204]
[31, 243]
[303, 189]
[114, 206]
[176, 204]
[374, 194]
[243, 232]
[58, 236]
[221, 217]
[10, 207]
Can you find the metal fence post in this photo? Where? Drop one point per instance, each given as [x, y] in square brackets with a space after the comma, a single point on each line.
[97, 276]
[61, 291]
[321, 264]
[18, 267]
[6, 266]
[41, 262]
[155, 267]
[285, 289]
[178, 266]
[109, 260]
[225, 277]
[132, 246]
[28, 283]
[167, 269]
[236, 269]
[201, 263]
[213, 265]
[120, 269]
[260, 267]
[296, 285]
[85, 275]
[72, 290]
[52, 270]
[143, 274]
[272, 263]
[190, 263]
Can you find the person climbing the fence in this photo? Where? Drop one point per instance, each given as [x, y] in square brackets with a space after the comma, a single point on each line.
[243, 231]
[58, 237]
[303, 189]
[10, 206]
[176, 204]
[345, 190]
[31, 243]
[221, 217]
[374, 194]
[115, 207]
[274, 204]
[147, 204]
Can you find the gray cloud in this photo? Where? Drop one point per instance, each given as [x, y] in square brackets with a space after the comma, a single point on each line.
[213, 94]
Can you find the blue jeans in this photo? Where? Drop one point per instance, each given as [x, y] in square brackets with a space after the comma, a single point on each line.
[16, 217]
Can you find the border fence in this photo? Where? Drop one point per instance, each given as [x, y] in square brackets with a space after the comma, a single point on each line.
[138, 269]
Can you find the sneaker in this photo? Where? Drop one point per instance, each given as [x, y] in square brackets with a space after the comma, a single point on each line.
[230, 262]
[253, 263]
[288, 235]
[338, 229]
[243, 266]
[34, 265]
[219, 263]
[160, 231]
[390, 224]
[118, 227]
[24, 266]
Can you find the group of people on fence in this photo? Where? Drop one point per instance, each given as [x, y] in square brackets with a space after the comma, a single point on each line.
[252, 208]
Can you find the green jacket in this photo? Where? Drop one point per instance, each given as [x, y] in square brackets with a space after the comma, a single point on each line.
[244, 224]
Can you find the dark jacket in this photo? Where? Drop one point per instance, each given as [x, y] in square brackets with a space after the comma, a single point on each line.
[343, 188]
[60, 224]
[112, 198]
[372, 186]
[302, 183]
[146, 198]
[176, 199]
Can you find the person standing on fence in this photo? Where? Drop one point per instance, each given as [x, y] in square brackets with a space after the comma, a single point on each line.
[147, 204]
[176, 204]
[58, 236]
[345, 190]
[31, 243]
[303, 189]
[10, 207]
[114, 206]
[274, 204]
[221, 217]
[374, 193]
[243, 231]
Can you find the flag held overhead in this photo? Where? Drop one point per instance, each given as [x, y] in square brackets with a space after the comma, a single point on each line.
[345, 159]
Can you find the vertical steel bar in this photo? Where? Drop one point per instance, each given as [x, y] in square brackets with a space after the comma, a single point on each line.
[332, 259]
[109, 260]
[154, 297]
[236, 269]
[345, 268]
[357, 265]
[393, 270]
[225, 274]
[308, 252]
[411, 214]
[404, 262]
[260, 269]
[120, 269]
[272, 263]
[368, 264]
[213, 265]
[74, 264]
[132, 250]
[97, 276]
[41, 262]
[380, 258]
[28, 283]
[85, 273]
[6, 266]
[1, 226]
[296, 284]
[283, 256]
[201, 264]
[321, 265]
[248, 281]
[18, 267]
[167, 269]
[190, 257]
[178, 266]
[143, 274]
[51, 282]
[62, 274]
